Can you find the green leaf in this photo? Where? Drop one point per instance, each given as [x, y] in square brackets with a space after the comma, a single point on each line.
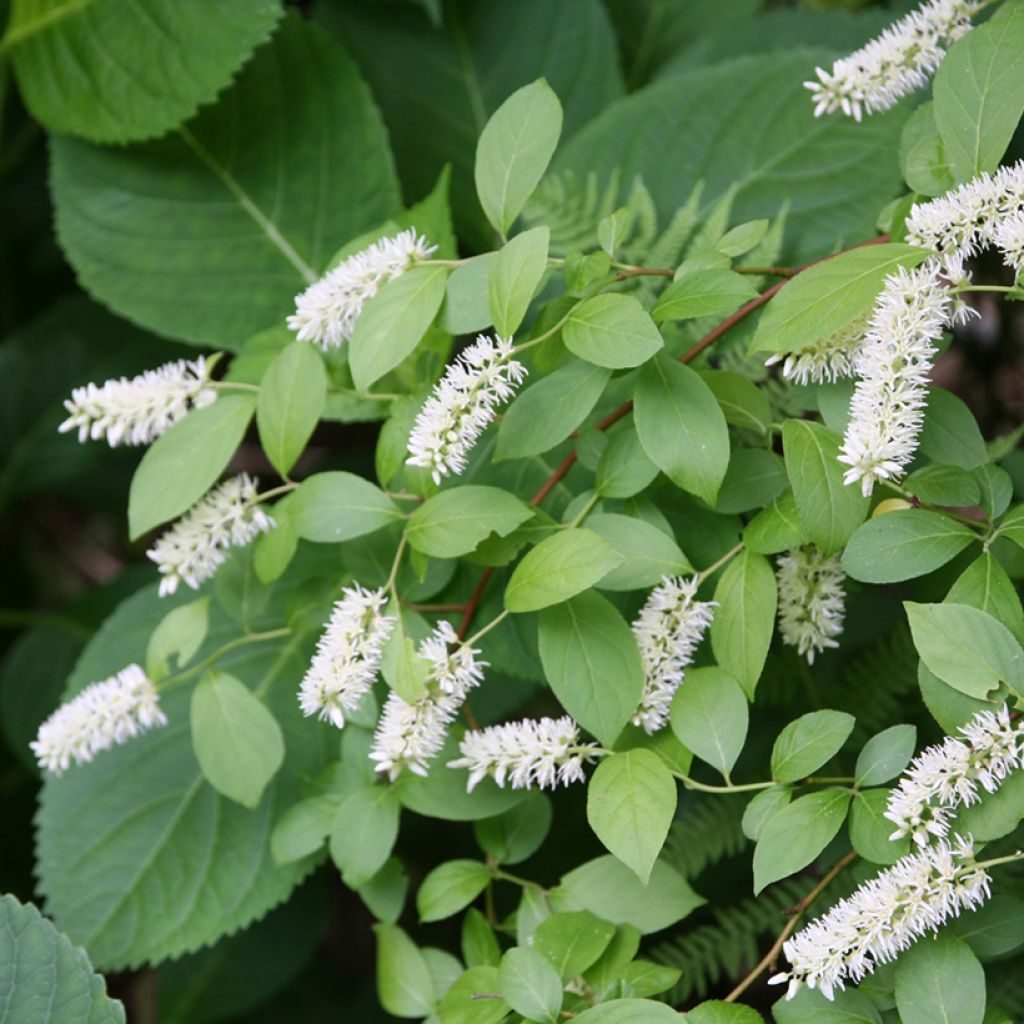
[944, 485]
[631, 800]
[479, 943]
[610, 890]
[996, 488]
[514, 277]
[950, 434]
[902, 545]
[795, 835]
[829, 296]
[455, 522]
[885, 755]
[467, 306]
[808, 742]
[181, 633]
[984, 584]
[116, 74]
[870, 829]
[776, 528]
[979, 94]
[384, 895]
[614, 331]
[966, 647]
[703, 293]
[330, 507]
[530, 985]
[754, 478]
[239, 209]
[741, 630]
[710, 716]
[592, 664]
[743, 402]
[949, 707]
[273, 551]
[461, 1003]
[1012, 525]
[363, 833]
[184, 463]
[763, 805]
[151, 823]
[559, 568]
[451, 887]
[681, 427]
[940, 980]
[624, 470]
[997, 815]
[237, 741]
[829, 510]
[514, 150]
[303, 828]
[290, 403]
[809, 1006]
[404, 983]
[572, 941]
[994, 929]
[647, 552]
[44, 978]
[923, 158]
[716, 1011]
[550, 410]
[518, 833]
[628, 1011]
[393, 323]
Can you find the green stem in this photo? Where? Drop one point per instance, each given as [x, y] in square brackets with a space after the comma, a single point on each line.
[484, 630]
[516, 880]
[395, 566]
[231, 645]
[275, 492]
[714, 567]
[996, 861]
[232, 385]
[366, 396]
[703, 787]
[1003, 289]
[583, 512]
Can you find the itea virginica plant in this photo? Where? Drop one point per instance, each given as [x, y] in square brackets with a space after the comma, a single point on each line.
[610, 525]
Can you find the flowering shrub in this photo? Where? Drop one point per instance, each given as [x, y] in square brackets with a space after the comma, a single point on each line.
[594, 512]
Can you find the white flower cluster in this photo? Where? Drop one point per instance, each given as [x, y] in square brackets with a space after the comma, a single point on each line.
[888, 404]
[104, 713]
[138, 411]
[347, 656]
[897, 63]
[327, 311]
[193, 549]
[948, 775]
[667, 630]
[411, 735]
[483, 376]
[985, 211]
[883, 917]
[1009, 239]
[811, 600]
[827, 360]
[542, 752]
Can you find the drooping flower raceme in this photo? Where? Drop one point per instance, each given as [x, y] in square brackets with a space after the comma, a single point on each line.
[139, 410]
[948, 775]
[193, 549]
[894, 364]
[811, 600]
[973, 217]
[103, 714]
[667, 630]
[327, 311]
[347, 656]
[483, 376]
[885, 916]
[897, 63]
[542, 753]
[826, 360]
[411, 735]
[1009, 239]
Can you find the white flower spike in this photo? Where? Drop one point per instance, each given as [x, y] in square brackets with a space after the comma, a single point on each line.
[410, 736]
[463, 403]
[347, 656]
[894, 367]
[540, 753]
[667, 630]
[900, 61]
[194, 548]
[827, 360]
[327, 311]
[951, 774]
[811, 600]
[102, 715]
[885, 916]
[137, 411]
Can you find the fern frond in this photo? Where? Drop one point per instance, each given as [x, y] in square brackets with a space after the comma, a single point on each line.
[572, 209]
[876, 683]
[730, 944]
[706, 831]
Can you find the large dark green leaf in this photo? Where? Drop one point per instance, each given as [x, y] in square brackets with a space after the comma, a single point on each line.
[116, 72]
[139, 858]
[438, 86]
[208, 234]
